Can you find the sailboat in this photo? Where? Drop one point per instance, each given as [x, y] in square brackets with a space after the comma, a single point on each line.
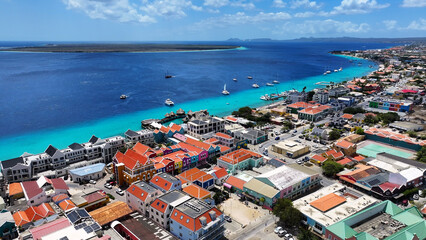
[225, 92]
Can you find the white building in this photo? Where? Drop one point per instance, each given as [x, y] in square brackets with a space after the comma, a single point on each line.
[143, 136]
[42, 190]
[321, 96]
[140, 195]
[200, 128]
[87, 173]
[160, 208]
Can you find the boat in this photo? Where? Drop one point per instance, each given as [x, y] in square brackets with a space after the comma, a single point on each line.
[167, 75]
[255, 85]
[169, 102]
[249, 77]
[123, 96]
[340, 69]
[335, 70]
[269, 84]
[265, 97]
[225, 92]
[275, 82]
[234, 79]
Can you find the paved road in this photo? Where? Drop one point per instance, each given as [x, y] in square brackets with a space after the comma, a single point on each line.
[251, 230]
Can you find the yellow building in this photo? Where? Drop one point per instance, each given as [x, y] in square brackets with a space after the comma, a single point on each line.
[290, 148]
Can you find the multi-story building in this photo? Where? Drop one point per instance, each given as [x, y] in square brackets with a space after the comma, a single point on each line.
[338, 91]
[198, 177]
[15, 170]
[384, 220]
[348, 148]
[195, 219]
[290, 148]
[166, 182]
[140, 195]
[321, 96]
[314, 113]
[330, 205]
[160, 208]
[250, 136]
[240, 159]
[143, 136]
[206, 126]
[42, 190]
[297, 96]
[132, 166]
[7, 226]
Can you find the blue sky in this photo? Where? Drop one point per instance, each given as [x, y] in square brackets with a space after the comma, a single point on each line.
[175, 20]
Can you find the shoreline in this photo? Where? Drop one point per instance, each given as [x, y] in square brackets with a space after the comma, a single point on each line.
[13, 146]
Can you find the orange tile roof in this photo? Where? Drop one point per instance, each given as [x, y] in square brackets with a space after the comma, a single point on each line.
[110, 212]
[159, 205]
[223, 148]
[221, 172]
[196, 191]
[33, 213]
[183, 180]
[15, 188]
[347, 116]
[193, 224]
[344, 144]
[235, 182]
[160, 182]
[344, 161]
[223, 135]
[189, 172]
[211, 140]
[66, 205]
[231, 119]
[359, 158]
[301, 105]
[319, 158]
[328, 202]
[190, 147]
[198, 144]
[59, 197]
[136, 156]
[175, 127]
[239, 156]
[141, 149]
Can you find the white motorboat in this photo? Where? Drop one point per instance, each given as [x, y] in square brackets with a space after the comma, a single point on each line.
[340, 69]
[249, 77]
[275, 82]
[225, 92]
[123, 96]
[234, 79]
[255, 85]
[265, 97]
[269, 84]
[169, 102]
[335, 70]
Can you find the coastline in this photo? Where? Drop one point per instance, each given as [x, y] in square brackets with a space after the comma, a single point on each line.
[38, 141]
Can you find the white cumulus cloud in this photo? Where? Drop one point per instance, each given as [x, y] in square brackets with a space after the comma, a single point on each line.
[168, 8]
[116, 10]
[414, 3]
[419, 25]
[304, 14]
[279, 4]
[233, 3]
[357, 7]
[242, 18]
[304, 3]
[390, 24]
[328, 26]
[216, 3]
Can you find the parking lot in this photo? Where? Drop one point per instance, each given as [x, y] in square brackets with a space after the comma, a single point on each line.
[240, 212]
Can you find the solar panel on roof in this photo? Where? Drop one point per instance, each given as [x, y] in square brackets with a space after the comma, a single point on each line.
[88, 229]
[83, 213]
[374, 182]
[80, 226]
[73, 217]
[95, 227]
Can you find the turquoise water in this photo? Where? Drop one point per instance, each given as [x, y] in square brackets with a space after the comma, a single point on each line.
[372, 150]
[61, 137]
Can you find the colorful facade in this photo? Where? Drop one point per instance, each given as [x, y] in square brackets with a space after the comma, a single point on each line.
[239, 160]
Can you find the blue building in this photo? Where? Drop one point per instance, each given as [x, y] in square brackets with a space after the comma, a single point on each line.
[196, 219]
[87, 173]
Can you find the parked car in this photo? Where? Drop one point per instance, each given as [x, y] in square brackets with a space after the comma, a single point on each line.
[315, 140]
[288, 235]
[300, 136]
[92, 181]
[277, 230]
[277, 138]
[119, 192]
[305, 159]
[228, 218]
[295, 131]
[112, 183]
[297, 140]
[299, 161]
[308, 139]
[282, 233]
[108, 186]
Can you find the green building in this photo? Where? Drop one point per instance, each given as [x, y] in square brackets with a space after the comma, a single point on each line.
[7, 225]
[384, 221]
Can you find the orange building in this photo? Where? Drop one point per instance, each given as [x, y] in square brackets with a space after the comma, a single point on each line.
[134, 165]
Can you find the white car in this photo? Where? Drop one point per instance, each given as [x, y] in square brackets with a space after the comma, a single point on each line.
[277, 230]
[119, 192]
[92, 181]
[108, 186]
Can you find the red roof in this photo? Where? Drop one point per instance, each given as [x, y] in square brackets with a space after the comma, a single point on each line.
[33, 213]
[159, 205]
[239, 156]
[196, 191]
[235, 182]
[198, 144]
[59, 197]
[48, 228]
[66, 205]
[193, 224]
[359, 158]
[59, 183]
[160, 182]
[221, 173]
[223, 135]
[31, 189]
[141, 149]
[93, 197]
[301, 105]
[319, 158]
[344, 144]
[388, 186]
[344, 161]
[347, 116]
[138, 192]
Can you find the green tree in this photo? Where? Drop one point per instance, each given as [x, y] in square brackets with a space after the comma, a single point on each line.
[287, 214]
[305, 234]
[287, 125]
[412, 134]
[331, 168]
[351, 110]
[370, 119]
[334, 134]
[310, 96]
[360, 131]
[421, 155]
[389, 117]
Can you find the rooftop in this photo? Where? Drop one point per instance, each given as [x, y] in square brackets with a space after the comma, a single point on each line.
[333, 203]
[111, 212]
[239, 156]
[174, 197]
[283, 177]
[88, 169]
[290, 146]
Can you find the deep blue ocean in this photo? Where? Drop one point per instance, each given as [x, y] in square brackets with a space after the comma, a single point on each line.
[61, 98]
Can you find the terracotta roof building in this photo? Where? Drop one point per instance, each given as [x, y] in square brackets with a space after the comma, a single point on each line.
[111, 212]
[239, 160]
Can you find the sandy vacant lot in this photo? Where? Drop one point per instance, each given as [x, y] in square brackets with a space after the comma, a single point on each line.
[240, 212]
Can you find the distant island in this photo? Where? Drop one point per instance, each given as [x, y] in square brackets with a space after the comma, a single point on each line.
[408, 40]
[110, 47]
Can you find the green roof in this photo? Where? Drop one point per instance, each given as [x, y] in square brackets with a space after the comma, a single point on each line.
[342, 230]
[410, 217]
[364, 236]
